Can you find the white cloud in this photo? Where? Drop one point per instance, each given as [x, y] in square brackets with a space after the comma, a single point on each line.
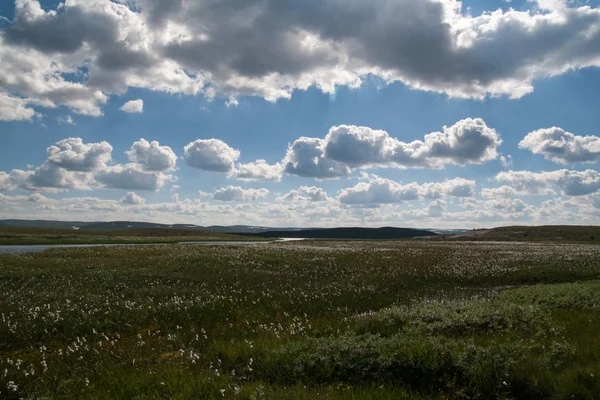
[152, 156]
[131, 177]
[562, 147]
[457, 187]
[50, 177]
[68, 120]
[133, 106]
[7, 182]
[73, 164]
[506, 161]
[132, 199]
[32, 198]
[14, 108]
[309, 193]
[74, 155]
[436, 208]
[305, 158]
[270, 48]
[570, 183]
[595, 200]
[236, 193]
[470, 212]
[510, 205]
[503, 192]
[258, 170]
[211, 155]
[377, 191]
[232, 102]
[469, 141]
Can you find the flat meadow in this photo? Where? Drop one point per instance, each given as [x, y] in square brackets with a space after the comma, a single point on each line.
[302, 320]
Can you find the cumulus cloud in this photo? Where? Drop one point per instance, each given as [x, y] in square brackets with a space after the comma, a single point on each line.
[132, 199]
[211, 155]
[80, 53]
[72, 164]
[595, 200]
[506, 161]
[562, 147]
[570, 183]
[457, 187]
[37, 198]
[310, 193]
[510, 205]
[305, 158]
[236, 193]
[14, 108]
[258, 170]
[132, 177]
[67, 121]
[232, 102]
[504, 191]
[469, 141]
[436, 208]
[48, 177]
[377, 190]
[133, 106]
[473, 212]
[7, 182]
[74, 155]
[152, 156]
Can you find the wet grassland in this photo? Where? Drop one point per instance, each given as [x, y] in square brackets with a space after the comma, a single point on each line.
[303, 320]
[19, 236]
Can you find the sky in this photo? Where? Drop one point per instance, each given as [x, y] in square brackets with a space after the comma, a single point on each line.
[306, 113]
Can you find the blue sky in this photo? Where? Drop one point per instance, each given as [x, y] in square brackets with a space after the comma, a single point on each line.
[498, 81]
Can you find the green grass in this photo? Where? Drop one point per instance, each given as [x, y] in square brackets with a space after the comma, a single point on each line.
[303, 320]
[547, 233]
[16, 236]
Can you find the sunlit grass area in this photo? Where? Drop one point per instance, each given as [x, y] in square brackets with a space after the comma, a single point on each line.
[303, 320]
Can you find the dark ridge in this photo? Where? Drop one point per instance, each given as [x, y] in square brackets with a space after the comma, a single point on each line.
[347, 233]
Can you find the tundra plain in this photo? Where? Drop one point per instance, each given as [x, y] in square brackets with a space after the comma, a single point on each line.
[303, 320]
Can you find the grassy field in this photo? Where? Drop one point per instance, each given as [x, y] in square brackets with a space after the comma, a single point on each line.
[303, 320]
[40, 236]
[546, 233]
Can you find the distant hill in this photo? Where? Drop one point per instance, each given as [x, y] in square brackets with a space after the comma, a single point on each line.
[126, 225]
[153, 229]
[249, 229]
[347, 233]
[551, 233]
[25, 223]
[123, 225]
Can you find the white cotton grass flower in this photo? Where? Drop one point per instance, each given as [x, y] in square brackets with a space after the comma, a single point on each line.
[11, 386]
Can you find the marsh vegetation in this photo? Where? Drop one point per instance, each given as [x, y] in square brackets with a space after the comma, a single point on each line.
[303, 320]
[24, 236]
